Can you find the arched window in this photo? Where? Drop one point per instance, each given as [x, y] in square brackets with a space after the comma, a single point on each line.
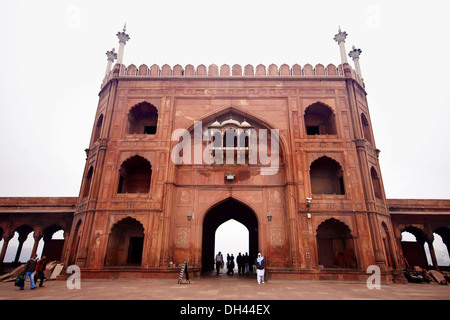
[135, 176]
[320, 120]
[335, 245]
[326, 177]
[230, 139]
[143, 119]
[87, 183]
[376, 183]
[366, 128]
[98, 128]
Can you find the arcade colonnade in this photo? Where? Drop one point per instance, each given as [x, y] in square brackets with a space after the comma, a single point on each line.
[44, 216]
[39, 217]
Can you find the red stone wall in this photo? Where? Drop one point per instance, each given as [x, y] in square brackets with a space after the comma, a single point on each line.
[269, 98]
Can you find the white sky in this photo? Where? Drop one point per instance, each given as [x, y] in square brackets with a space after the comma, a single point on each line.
[53, 61]
[232, 237]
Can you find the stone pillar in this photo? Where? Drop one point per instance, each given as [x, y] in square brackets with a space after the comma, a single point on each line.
[433, 255]
[340, 39]
[354, 54]
[429, 241]
[64, 252]
[123, 38]
[22, 238]
[37, 237]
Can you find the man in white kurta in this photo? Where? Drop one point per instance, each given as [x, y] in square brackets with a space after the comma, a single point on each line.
[260, 265]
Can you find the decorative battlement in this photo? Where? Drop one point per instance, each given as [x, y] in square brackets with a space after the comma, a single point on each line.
[225, 71]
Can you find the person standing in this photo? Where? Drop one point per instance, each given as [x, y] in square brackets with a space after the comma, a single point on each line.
[29, 271]
[247, 263]
[240, 264]
[260, 265]
[219, 261]
[230, 265]
[40, 268]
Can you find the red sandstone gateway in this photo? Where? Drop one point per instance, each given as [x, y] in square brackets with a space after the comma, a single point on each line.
[322, 214]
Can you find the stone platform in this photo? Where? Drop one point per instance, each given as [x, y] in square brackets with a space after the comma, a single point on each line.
[223, 287]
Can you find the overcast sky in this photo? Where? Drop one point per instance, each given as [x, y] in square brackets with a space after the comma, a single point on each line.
[53, 60]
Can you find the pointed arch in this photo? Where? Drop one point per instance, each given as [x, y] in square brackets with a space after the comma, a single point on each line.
[125, 243]
[53, 248]
[98, 128]
[20, 235]
[376, 183]
[87, 182]
[135, 175]
[366, 129]
[143, 119]
[216, 215]
[256, 121]
[320, 120]
[414, 249]
[326, 176]
[335, 245]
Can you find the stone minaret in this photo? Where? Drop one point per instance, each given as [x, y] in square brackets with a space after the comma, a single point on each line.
[340, 39]
[354, 54]
[112, 55]
[123, 38]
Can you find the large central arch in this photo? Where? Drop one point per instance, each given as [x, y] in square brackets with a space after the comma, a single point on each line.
[220, 213]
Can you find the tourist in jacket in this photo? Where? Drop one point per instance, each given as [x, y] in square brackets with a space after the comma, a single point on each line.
[40, 268]
[30, 267]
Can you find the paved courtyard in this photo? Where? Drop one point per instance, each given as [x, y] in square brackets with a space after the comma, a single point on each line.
[223, 287]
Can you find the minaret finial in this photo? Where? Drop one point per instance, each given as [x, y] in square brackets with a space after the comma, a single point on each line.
[340, 39]
[354, 54]
[112, 55]
[123, 38]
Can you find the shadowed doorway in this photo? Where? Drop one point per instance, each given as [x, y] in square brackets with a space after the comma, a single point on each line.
[222, 212]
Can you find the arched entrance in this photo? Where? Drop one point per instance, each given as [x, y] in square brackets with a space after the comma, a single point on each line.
[335, 245]
[125, 243]
[222, 212]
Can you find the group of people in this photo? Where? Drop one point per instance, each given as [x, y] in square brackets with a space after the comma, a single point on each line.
[34, 269]
[244, 265]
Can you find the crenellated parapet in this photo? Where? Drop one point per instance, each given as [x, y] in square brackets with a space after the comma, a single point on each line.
[226, 71]
[237, 70]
